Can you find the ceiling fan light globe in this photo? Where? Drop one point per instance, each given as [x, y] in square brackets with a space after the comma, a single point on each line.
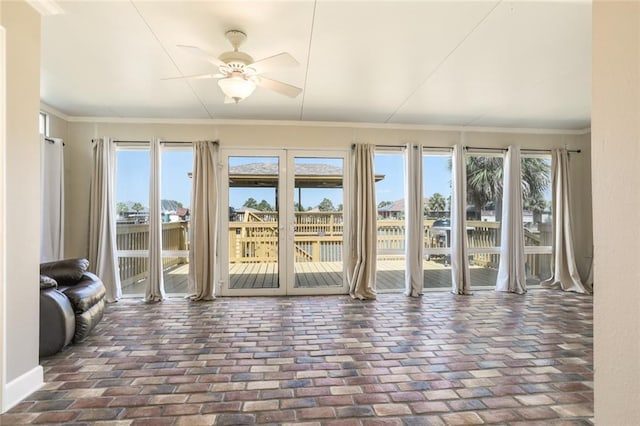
[236, 87]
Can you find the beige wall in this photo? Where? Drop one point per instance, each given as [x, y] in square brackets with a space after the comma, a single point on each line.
[305, 135]
[616, 203]
[22, 158]
[57, 126]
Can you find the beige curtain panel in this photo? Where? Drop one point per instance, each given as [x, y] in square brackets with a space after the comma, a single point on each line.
[203, 271]
[511, 269]
[565, 272]
[363, 215]
[52, 199]
[414, 276]
[155, 284]
[460, 279]
[103, 260]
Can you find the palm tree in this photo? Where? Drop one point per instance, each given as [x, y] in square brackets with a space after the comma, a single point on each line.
[535, 179]
[436, 203]
[484, 181]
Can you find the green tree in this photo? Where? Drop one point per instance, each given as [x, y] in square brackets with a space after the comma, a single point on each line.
[537, 206]
[298, 207]
[437, 203]
[137, 207]
[326, 205]
[484, 181]
[382, 204]
[535, 179]
[251, 203]
[121, 207]
[264, 206]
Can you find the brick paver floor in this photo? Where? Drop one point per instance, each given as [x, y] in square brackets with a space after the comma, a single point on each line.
[488, 358]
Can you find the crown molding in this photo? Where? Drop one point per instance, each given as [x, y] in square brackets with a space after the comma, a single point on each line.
[51, 110]
[350, 125]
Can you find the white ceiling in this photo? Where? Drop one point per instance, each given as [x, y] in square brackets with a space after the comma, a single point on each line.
[517, 64]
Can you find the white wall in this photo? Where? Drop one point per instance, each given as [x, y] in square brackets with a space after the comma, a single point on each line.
[22, 201]
[303, 135]
[616, 207]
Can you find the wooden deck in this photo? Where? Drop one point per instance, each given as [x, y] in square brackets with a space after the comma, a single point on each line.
[389, 278]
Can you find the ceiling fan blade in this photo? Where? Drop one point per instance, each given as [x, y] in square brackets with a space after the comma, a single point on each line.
[202, 53]
[278, 86]
[195, 77]
[281, 60]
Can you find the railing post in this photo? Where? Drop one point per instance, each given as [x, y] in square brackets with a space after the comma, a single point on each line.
[315, 250]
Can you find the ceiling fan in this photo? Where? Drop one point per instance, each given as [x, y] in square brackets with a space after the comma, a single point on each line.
[239, 74]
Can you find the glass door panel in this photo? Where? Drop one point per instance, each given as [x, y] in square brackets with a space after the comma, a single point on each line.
[254, 223]
[436, 172]
[318, 222]
[177, 164]
[537, 216]
[132, 221]
[391, 235]
[484, 217]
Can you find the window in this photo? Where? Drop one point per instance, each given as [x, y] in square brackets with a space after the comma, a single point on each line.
[390, 260]
[536, 216]
[132, 216]
[132, 185]
[484, 216]
[44, 123]
[175, 196]
[436, 186]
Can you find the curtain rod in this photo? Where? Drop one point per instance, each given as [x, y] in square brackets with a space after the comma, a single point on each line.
[448, 148]
[52, 141]
[383, 146]
[472, 148]
[414, 146]
[147, 142]
[162, 141]
[130, 142]
[577, 151]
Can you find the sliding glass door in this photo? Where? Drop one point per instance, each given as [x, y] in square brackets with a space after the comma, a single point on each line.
[284, 231]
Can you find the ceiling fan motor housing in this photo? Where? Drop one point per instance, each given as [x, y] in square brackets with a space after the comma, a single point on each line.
[236, 60]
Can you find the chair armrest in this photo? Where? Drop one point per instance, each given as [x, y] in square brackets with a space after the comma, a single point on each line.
[57, 322]
[65, 272]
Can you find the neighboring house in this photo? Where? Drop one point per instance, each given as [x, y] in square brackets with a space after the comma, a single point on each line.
[393, 211]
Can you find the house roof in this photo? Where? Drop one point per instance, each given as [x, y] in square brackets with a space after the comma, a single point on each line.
[306, 175]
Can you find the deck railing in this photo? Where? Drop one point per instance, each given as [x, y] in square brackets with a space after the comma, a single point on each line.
[318, 237]
[135, 237]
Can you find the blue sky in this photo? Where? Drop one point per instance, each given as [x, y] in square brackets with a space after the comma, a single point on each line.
[132, 182]
[132, 176]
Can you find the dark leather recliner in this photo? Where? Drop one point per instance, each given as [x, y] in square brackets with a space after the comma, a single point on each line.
[71, 303]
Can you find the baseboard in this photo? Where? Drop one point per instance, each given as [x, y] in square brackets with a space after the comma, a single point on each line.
[21, 387]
